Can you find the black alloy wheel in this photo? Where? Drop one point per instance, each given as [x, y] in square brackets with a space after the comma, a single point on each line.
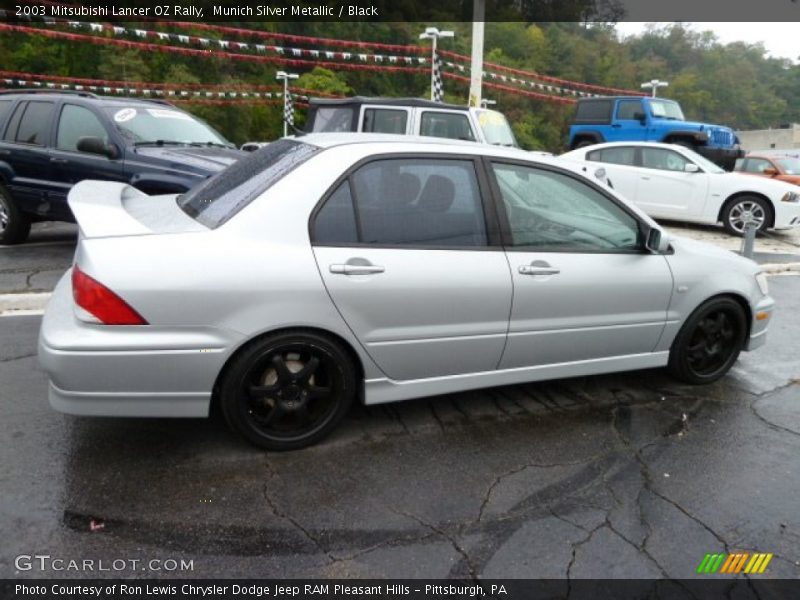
[709, 342]
[14, 224]
[288, 391]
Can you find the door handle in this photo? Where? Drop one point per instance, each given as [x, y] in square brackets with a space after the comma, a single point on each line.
[538, 270]
[645, 178]
[58, 161]
[347, 269]
[616, 125]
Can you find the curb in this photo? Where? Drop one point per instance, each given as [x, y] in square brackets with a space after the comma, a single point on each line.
[28, 303]
[775, 268]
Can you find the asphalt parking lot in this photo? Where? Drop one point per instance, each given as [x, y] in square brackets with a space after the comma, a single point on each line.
[630, 476]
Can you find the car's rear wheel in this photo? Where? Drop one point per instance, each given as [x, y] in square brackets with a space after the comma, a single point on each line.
[739, 211]
[288, 390]
[584, 144]
[709, 342]
[14, 224]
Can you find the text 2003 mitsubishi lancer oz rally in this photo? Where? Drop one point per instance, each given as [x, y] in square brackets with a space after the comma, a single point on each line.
[340, 266]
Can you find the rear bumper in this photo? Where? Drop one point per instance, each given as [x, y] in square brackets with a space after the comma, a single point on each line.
[138, 371]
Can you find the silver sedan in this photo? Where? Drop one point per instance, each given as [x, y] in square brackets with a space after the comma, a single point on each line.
[329, 268]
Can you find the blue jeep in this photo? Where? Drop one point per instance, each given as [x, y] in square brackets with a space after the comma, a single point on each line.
[51, 140]
[641, 119]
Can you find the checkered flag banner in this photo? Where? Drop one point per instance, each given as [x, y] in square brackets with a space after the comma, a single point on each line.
[288, 109]
[438, 85]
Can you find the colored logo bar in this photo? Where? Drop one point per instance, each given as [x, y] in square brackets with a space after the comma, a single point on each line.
[738, 562]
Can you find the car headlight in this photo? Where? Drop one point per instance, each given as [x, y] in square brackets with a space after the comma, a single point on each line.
[791, 197]
[761, 280]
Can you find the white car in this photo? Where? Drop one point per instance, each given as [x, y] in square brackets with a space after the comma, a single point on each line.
[669, 181]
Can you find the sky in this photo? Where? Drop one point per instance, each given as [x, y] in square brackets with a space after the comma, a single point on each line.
[780, 39]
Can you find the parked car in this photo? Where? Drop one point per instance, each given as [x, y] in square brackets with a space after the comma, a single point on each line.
[783, 167]
[639, 119]
[329, 268]
[51, 140]
[409, 116]
[669, 181]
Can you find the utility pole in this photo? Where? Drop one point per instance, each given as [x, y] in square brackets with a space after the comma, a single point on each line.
[288, 109]
[654, 84]
[476, 72]
[433, 34]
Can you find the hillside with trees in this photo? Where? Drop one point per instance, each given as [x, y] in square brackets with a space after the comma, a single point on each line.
[734, 84]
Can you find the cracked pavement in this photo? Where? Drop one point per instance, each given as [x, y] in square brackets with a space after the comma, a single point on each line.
[622, 476]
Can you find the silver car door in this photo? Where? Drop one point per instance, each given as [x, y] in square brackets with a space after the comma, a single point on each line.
[403, 250]
[584, 289]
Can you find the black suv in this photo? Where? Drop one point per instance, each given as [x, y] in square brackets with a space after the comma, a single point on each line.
[50, 140]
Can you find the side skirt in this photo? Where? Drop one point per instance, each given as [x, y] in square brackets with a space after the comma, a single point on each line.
[379, 391]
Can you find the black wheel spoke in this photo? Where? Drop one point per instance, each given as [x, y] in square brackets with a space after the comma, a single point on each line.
[265, 419]
[302, 414]
[281, 370]
[308, 370]
[263, 391]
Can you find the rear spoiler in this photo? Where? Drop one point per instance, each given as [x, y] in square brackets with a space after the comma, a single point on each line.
[99, 209]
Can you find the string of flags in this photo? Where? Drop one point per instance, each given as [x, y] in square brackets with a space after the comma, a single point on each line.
[136, 89]
[308, 57]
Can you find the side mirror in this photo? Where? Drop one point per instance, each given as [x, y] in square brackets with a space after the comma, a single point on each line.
[691, 168]
[770, 172]
[94, 145]
[641, 117]
[655, 241]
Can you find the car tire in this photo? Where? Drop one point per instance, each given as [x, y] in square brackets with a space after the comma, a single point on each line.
[583, 144]
[737, 211]
[14, 224]
[288, 390]
[709, 342]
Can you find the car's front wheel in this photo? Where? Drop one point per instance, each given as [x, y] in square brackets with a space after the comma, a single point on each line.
[709, 342]
[14, 225]
[288, 390]
[739, 211]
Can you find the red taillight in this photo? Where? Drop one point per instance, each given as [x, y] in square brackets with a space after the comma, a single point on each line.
[100, 302]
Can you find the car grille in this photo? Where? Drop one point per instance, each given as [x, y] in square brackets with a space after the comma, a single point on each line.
[722, 137]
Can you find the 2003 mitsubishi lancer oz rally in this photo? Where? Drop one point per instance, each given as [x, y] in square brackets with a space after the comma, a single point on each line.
[335, 267]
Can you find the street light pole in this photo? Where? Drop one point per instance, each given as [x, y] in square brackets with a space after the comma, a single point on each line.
[654, 84]
[476, 71]
[285, 77]
[433, 34]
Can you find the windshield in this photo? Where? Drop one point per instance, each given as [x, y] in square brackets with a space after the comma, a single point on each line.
[495, 128]
[789, 166]
[666, 109]
[146, 125]
[220, 197]
[702, 162]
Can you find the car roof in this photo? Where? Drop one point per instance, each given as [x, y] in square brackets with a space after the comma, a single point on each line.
[385, 142]
[384, 101]
[617, 144]
[86, 96]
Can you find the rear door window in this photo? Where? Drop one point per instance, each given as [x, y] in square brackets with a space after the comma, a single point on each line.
[406, 202]
[35, 123]
[5, 109]
[384, 120]
[454, 126]
[617, 155]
